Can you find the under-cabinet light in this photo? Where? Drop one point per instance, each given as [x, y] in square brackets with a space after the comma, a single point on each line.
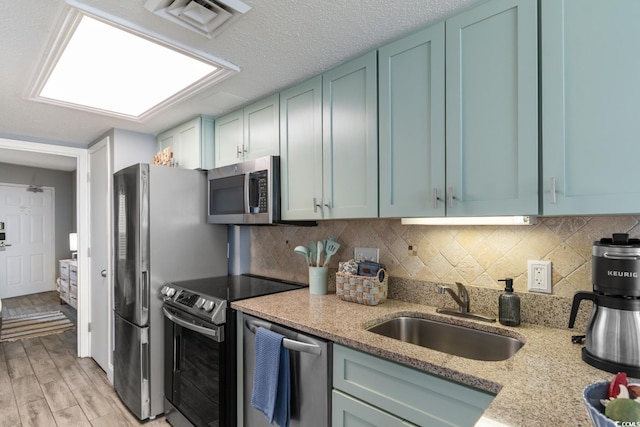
[475, 220]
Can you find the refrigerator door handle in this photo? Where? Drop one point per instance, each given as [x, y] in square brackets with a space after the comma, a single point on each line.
[145, 362]
[145, 297]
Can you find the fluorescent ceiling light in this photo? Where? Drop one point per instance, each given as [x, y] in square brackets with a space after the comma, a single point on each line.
[104, 68]
[477, 220]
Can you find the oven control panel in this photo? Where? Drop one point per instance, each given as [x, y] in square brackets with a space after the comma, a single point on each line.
[194, 303]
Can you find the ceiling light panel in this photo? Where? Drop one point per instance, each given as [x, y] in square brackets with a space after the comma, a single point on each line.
[103, 68]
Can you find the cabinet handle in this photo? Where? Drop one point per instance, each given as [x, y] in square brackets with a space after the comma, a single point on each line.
[238, 151]
[327, 205]
[554, 199]
[244, 150]
[435, 198]
[450, 196]
[316, 205]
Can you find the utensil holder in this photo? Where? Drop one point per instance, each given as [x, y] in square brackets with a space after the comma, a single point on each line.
[318, 277]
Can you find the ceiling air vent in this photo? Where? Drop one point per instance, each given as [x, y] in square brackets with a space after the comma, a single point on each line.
[206, 17]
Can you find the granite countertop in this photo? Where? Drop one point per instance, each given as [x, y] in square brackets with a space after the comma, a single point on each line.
[541, 384]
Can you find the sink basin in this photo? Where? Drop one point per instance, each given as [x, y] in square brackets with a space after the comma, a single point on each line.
[452, 339]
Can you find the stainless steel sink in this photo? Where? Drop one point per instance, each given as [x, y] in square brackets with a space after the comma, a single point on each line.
[452, 339]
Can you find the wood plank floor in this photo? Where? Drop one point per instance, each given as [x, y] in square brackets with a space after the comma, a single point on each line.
[44, 384]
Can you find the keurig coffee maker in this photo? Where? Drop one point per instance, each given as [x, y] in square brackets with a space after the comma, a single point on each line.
[613, 331]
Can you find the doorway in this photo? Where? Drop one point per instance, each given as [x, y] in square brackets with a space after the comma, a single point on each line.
[28, 214]
[82, 215]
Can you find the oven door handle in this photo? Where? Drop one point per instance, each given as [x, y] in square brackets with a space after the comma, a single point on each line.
[294, 345]
[213, 333]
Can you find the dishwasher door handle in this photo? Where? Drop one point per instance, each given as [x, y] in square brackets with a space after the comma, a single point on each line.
[294, 345]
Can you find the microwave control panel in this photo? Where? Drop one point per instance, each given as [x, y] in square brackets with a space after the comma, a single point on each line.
[259, 193]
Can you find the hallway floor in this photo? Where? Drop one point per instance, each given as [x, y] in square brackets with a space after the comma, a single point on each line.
[44, 384]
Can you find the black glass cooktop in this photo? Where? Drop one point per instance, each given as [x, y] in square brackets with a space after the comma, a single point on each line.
[235, 288]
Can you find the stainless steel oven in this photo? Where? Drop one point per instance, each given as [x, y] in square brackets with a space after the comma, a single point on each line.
[200, 347]
[196, 389]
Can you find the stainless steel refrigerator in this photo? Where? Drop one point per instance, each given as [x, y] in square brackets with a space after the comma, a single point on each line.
[160, 235]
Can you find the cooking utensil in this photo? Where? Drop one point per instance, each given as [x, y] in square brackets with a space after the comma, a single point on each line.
[313, 251]
[331, 248]
[301, 250]
[320, 249]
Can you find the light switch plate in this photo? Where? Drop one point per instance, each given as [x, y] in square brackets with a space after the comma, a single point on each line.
[366, 254]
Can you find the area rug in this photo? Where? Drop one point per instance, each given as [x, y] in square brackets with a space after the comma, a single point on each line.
[34, 325]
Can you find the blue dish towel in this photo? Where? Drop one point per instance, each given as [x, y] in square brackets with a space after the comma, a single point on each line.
[271, 378]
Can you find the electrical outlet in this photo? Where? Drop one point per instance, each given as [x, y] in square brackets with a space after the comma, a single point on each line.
[366, 254]
[539, 276]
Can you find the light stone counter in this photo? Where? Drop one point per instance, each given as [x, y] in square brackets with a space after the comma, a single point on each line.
[541, 385]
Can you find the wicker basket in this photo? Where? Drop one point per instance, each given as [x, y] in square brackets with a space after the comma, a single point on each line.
[363, 289]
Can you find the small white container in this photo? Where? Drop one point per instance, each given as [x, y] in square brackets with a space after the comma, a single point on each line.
[318, 277]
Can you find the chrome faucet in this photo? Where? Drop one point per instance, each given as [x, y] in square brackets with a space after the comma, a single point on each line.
[462, 299]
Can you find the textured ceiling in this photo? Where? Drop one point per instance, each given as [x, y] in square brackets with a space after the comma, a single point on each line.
[276, 44]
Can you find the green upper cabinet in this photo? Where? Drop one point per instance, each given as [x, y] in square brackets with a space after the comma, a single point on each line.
[492, 109]
[350, 139]
[329, 144]
[590, 106]
[229, 138]
[411, 75]
[262, 128]
[190, 142]
[301, 150]
[249, 133]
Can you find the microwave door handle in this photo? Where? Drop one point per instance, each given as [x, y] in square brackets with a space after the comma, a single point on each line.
[247, 189]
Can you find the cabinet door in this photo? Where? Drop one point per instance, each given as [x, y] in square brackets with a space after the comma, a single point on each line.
[350, 139]
[195, 143]
[492, 109]
[350, 412]
[262, 128]
[301, 150]
[190, 142]
[228, 139]
[590, 105]
[168, 139]
[412, 395]
[411, 123]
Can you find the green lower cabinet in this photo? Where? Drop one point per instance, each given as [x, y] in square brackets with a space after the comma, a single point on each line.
[404, 394]
[350, 412]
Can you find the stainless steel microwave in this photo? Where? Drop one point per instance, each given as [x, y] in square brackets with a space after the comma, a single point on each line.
[245, 193]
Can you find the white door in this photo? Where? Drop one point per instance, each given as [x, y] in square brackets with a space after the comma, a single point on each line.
[27, 266]
[100, 274]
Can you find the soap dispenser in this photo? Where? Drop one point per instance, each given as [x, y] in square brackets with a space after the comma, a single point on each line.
[509, 305]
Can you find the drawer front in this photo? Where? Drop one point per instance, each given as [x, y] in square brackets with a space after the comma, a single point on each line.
[410, 394]
[64, 270]
[73, 274]
[350, 412]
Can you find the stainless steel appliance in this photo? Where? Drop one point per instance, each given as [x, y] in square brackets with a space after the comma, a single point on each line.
[245, 193]
[311, 376]
[613, 331]
[160, 234]
[201, 349]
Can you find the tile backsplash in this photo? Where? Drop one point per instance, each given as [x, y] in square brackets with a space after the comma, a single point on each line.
[473, 255]
[419, 257]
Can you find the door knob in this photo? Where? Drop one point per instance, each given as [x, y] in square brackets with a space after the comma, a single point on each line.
[103, 273]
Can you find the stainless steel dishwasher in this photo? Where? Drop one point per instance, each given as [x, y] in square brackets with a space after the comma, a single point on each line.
[311, 375]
